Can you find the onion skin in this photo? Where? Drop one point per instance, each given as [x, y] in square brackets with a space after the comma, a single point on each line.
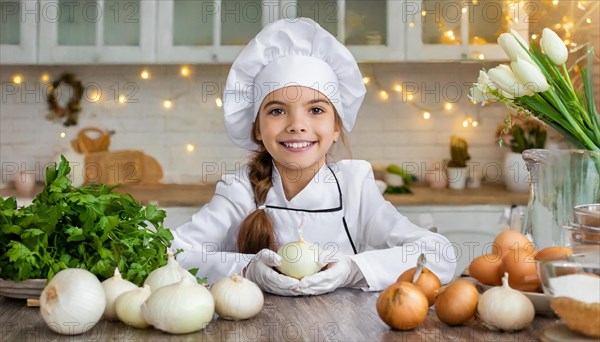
[427, 282]
[486, 269]
[402, 306]
[456, 304]
[521, 267]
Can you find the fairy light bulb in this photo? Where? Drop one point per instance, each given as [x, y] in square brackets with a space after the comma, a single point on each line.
[63, 135]
[588, 20]
[534, 36]
[366, 80]
[464, 10]
[95, 97]
[474, 123]
[423, 12]
[397, 88]
[449, 33]
[426, 115]
[190, 148]
[481, 56]
[410, 97]
[18, 79]
[448, 106]
[185, 71]
[219, 102]
[122, 99]
[45, 77]
[555, 2]
[465, 123]
[411, 24]
[383, 95]
[168, 104]
[145, 75]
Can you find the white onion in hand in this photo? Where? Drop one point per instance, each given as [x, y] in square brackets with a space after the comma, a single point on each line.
[73, 302]
[179, 308]
[113, 288]
[299, 259]
[128, 307]
[237, 298]
[169, 274]
[504, 308]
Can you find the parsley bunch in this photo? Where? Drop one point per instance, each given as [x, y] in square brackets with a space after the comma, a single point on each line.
[88, 227]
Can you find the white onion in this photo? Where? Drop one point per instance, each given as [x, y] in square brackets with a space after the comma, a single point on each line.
[128, 307]
[299, 259]
[113, 288]
[169, 274]
[73, 302]
[237, 298]
[504, 308]
[179, 308]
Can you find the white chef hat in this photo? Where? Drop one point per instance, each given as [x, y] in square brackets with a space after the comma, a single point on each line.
[285, 53]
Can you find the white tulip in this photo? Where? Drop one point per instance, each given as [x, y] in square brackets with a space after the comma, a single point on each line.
[529, 75]
[554, 47]
[508, 83]
[480, 91]
[520, 39]
[511, 47]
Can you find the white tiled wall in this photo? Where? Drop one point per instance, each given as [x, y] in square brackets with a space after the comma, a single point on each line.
[391, 131]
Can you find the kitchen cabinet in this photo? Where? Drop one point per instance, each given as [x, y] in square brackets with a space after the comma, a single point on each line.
[18, 31]
[209, 31]
[96, 31]
[461, 30]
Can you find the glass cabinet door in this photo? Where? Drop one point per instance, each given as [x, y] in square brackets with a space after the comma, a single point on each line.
[92, 31]
[460, 30]
[18, 31]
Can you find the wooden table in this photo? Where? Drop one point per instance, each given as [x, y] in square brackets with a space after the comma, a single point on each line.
[345, 315]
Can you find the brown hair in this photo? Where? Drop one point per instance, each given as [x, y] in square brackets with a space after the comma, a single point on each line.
[256, 231]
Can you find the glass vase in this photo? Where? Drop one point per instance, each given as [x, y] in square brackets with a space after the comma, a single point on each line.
[559, 180]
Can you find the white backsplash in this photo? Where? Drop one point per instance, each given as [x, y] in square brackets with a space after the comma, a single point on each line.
[391, 131]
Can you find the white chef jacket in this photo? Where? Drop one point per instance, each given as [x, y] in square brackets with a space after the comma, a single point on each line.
[343, 211]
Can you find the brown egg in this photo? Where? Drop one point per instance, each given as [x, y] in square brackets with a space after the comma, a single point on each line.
[522, 270]
[510, 239]
[486, 269]
[553, 253]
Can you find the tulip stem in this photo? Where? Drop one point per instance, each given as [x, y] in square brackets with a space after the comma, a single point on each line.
[566, 72]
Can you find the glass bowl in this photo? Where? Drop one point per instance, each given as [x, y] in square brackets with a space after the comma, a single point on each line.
[588, 215]
[574, 287]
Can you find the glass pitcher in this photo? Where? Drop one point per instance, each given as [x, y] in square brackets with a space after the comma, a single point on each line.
[559, 180]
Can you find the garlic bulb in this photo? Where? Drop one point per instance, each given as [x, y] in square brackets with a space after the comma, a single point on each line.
[300, 258]
[179, 308]
[73, 302]
[504, 308]
[128, 307]
[169, 274]
[113, 287]
[237, 298]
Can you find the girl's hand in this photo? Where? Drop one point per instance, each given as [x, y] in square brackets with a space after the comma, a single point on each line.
[341, 273]
[260, 270]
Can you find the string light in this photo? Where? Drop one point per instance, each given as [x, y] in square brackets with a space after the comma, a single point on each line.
[555, 2]
[534, 36]
[18, 79]
[410, 97]
[411, 24]
[426, 115]
[423, 12]
[384, 95]
[588, 20]
[464, 10]
[45, 77]
[219, 102]
[397, 87]
[168, 104]
[145, 75]
[95, 97]
[185, 71]
[122, 99]
[366, 80]
[63, 134]
[190, 148]
[448, 106]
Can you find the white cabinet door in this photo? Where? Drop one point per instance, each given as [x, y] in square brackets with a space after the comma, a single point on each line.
[461, 30]
[97, 31]
[18, 31]
[209, 31]
[470, 229]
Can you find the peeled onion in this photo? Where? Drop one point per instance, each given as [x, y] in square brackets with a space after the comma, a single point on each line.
[427, 282]
[72, 302]
[402, 306]
[299, 259]
[237, 298]
[457, 303]
[521, 267]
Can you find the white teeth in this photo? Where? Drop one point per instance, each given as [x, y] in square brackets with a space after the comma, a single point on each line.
[298, 145]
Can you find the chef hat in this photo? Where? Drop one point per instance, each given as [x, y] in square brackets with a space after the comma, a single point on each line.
[290, 52]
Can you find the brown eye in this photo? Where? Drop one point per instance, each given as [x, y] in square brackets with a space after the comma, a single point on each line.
[276, 111]
[316, 110]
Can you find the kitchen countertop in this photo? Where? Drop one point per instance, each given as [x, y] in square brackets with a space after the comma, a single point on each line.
[190, 195]
[342, 315]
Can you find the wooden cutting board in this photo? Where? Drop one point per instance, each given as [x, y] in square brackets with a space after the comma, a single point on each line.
[122, 167]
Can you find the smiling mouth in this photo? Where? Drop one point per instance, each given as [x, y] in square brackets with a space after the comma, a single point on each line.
[298, 145]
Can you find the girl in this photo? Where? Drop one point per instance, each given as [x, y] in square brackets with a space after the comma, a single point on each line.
[292, 94]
